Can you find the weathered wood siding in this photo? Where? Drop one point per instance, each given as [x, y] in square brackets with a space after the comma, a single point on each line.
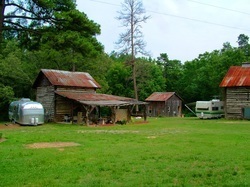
[236, 99]
[170, 108]
[46, 96]
[63, 106]
[82, 90]
[122, 114]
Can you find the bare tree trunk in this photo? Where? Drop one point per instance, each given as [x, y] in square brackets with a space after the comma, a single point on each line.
[2, 7]
[133, 57]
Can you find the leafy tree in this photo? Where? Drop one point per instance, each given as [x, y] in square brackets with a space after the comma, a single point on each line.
[150, 78]
[15, 71]
[172, 70]
[119, 80]
[201, 77]
[132, 16]
[19, 16]
[62, 35]
[75, 42]
[243, 42]
[6, 96]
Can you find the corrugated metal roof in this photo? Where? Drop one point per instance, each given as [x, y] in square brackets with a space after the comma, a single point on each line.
[160, 96]
[236, 76]
[98, 99]
[72, 79]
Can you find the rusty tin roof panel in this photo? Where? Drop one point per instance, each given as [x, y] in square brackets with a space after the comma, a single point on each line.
[98, 99]
[73, 79]
[236, 76]
[80, 96]
[160, 96]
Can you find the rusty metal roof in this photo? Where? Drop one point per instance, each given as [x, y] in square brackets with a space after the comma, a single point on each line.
[160, 96]
[236, 76]
[67, 78]
[98, 99]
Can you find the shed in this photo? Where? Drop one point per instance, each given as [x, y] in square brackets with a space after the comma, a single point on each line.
[164, 104]
[236, 91]
[69, 95]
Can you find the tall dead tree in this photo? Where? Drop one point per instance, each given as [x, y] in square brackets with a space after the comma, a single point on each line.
[131, 41]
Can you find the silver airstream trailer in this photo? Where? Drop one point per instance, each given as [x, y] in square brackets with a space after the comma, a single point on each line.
[26, 112]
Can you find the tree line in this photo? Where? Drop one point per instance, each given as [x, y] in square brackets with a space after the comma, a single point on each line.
[55, 35]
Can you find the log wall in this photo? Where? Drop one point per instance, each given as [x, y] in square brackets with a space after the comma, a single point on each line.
[236, 99]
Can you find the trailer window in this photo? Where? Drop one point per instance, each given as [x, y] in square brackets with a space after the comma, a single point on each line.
[215, 108]
[202, 108]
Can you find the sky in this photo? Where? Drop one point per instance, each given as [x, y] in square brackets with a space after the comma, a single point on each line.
[181, 28]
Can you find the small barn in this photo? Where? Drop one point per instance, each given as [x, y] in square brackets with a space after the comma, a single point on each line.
[236, 92]
[72, 96]
[164, 104]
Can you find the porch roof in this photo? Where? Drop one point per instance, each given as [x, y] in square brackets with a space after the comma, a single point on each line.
[96, 99]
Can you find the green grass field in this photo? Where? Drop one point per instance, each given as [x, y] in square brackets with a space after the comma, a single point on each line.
[162, 152]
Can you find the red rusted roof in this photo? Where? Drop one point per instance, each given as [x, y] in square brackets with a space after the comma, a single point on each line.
[236, 76]
[98, 99]
[67, 78]
[80, 96]
[160, 96]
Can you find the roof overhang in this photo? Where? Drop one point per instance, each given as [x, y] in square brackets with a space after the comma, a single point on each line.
[95, 99]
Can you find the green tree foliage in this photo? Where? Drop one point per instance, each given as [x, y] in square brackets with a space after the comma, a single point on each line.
[19, 17]
[149, 77]
[202, 76]
[119, 76]
[6, 96]
[243, 42]
[61, 35]
[172, 71]
[15, 71]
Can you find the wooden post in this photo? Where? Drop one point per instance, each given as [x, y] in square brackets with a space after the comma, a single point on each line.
[129, 114]
[145, 112]
[79, 117]
[113, 115]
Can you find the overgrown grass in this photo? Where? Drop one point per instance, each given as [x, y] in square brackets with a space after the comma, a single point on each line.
[163, 152]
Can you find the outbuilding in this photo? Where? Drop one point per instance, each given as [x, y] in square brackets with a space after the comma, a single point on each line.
[72, 96]
[167, 104]
[236, 91]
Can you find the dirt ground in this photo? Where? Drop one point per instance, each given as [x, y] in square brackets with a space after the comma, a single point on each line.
[41, 145]
[9, 126]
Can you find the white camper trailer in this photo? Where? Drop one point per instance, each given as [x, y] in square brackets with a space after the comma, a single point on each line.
[26, 112]
[209, 109]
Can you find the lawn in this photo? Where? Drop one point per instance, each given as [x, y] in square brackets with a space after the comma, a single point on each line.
[162, 152]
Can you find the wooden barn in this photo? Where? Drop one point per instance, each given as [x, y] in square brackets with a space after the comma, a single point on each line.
[71, 96]
[236, 91]
[164, 104]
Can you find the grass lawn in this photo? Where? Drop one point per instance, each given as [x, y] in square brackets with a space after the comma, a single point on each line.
[162, 152]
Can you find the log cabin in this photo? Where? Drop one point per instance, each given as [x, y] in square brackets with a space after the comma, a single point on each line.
[236, 92]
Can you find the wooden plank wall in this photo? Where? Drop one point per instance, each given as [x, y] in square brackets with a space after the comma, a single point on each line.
[63, 107]
[46, 96]
[170, 108]
[173, 107]
[236, 99]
